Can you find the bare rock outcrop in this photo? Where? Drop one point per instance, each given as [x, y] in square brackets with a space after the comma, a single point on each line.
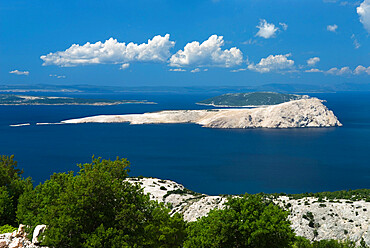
[18, 238]
[316, 220]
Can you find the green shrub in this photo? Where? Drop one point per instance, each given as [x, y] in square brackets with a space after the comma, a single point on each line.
[248, 221]
[7, 229]
[96, 208]
[302, 242]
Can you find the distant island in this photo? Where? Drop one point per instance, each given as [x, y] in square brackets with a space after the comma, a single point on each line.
[251, 99]
[11, 99]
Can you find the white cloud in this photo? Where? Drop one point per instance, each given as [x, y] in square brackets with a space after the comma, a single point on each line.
[342, 71]
[112, 52]
[361, 69]
[278, 63]
[332, 28]
[16, 72]
[209, 53]
[124, 66]
[283, 25]
[313, 70]
[313, 61]
[249, 42]
[57, 76]
[195, 70]
[177, 69]
[266, 30]
[355, 41]
[364, 12]
[239, 70]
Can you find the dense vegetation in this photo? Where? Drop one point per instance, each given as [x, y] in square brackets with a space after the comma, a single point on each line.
[96, 207]
[248, 221]
[250, 99]
[12, 186]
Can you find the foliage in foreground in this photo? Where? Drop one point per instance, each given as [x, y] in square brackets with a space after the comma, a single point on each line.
[12, 185]
[95, 208]
[7, 229]
[247, 221]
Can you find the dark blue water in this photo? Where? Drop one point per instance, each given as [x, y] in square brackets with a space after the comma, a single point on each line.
[213, 161]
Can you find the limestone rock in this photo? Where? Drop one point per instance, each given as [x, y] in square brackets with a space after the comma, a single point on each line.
[314, 220]
[36, 233]
[294, 114]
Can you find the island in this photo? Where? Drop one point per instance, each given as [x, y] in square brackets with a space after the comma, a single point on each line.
[11, 99]
[251, 99]
[310, 112]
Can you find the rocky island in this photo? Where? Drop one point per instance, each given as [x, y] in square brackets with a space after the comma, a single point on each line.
[11, 99]
[310, 112]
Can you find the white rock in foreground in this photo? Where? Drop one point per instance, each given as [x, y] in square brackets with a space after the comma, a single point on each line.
[300, 113]
[339, 220]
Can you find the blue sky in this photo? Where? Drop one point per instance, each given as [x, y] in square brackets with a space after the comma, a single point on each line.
[192, 43]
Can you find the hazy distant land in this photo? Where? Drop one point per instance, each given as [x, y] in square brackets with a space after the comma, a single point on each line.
[251, 99]
[10, 99]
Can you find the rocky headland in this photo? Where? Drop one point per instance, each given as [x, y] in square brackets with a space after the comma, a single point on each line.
[293, 114]
[312, 218]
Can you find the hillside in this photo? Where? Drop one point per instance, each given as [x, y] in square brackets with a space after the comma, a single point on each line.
[250, 99]
[328, 215]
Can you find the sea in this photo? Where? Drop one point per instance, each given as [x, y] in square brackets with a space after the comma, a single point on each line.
[205, 160]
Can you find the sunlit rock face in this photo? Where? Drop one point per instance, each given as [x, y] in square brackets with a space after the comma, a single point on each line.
[313, 219]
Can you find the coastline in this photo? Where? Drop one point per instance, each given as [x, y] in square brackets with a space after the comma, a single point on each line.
[82, 104]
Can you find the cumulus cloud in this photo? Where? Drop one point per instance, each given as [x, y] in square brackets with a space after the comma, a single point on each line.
[364, 12]
[266, 30]
[16, 72]
[176, 69]
[313, 61]
[277, 63]
[361, 69]
[332, 28]
[124, 66]
[112, 52]
[208, 53]
[57, 76]
[342, 71]
[313, 70]
[195, 70]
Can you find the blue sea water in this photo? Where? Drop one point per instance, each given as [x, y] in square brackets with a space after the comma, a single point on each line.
[212, 161]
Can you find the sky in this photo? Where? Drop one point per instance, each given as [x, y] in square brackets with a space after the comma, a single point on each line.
[184, 42]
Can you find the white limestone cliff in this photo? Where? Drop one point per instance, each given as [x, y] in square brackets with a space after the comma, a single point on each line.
[340, 219]
[299, 113]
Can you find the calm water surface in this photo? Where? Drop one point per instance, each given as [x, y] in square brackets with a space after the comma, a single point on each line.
[213, 161]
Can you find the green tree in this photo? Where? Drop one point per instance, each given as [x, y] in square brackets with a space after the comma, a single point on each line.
[97, 208]
[248, 221]
[12, 185]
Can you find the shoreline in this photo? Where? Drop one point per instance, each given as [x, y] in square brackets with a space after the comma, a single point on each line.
[83, 104]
